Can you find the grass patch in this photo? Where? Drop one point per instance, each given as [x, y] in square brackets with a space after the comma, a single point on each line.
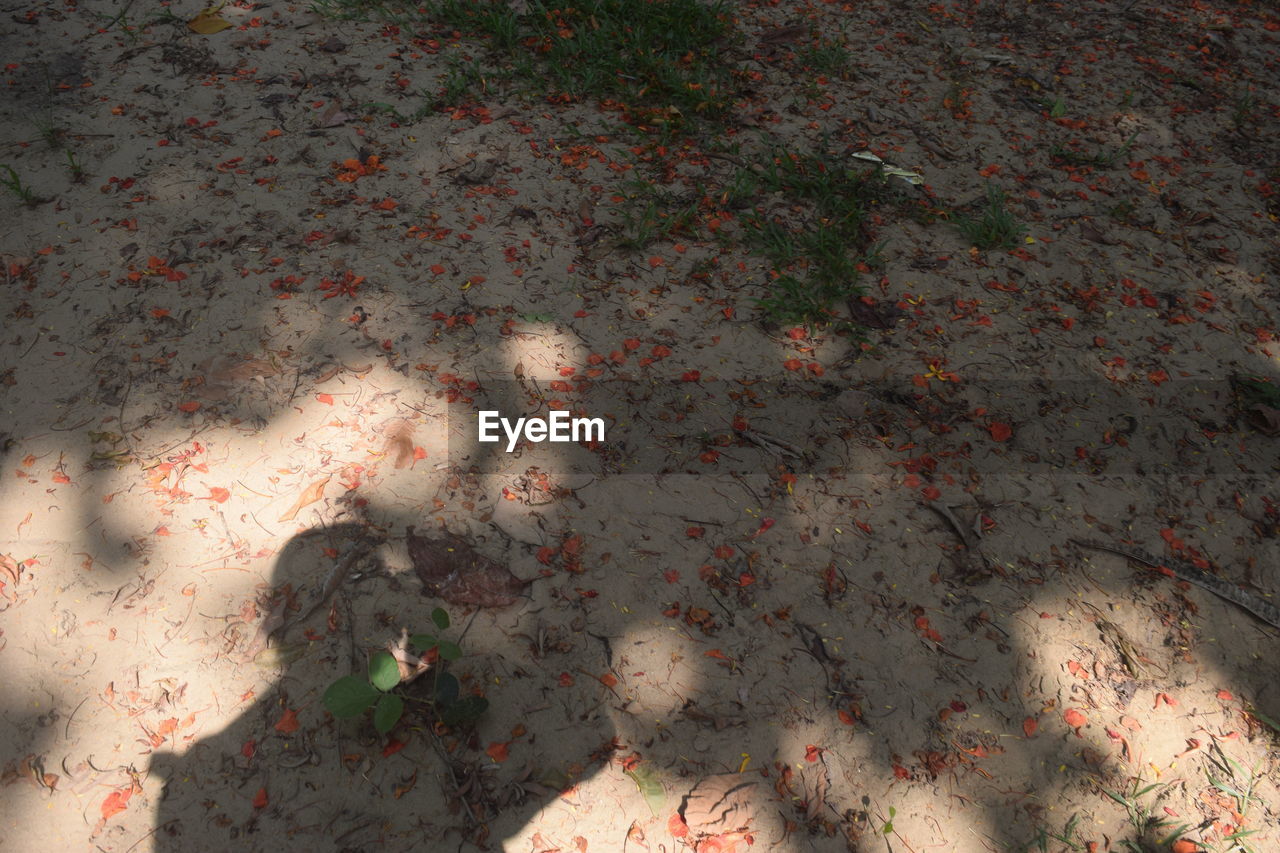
[663, 54]
[643, 225]
[809, 215]
[495, 20]
[653, 213]
[995, 227]
[464, 76]
[819, 255]
[660, 61]
[1123, 211]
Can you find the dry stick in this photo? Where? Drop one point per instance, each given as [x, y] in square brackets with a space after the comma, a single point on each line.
[1224, 589]
[950, 518]
[338, 574]
[771, 443]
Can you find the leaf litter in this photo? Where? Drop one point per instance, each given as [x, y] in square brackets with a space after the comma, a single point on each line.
[1131, 145]
[452, 569]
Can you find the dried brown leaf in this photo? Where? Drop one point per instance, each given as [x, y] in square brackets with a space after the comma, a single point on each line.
[1264, 419]
[11, 568]
[816, 780]
[451, 569]
[310, 495]
[877, 315]
[779, 35]
[399, 441]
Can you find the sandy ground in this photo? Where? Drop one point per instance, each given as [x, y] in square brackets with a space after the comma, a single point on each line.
[226, 353]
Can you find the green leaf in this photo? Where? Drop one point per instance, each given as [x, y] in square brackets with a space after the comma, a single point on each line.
[446, 689]
[422, 642]
[387, 713]
[650, 785]
[449, 651]
[465, 711]
[440, 618]
[384, 672]
[349, 696]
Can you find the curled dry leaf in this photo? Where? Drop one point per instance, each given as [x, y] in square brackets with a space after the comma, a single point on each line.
[225, 376]
[399, 442]
[411, 666]
[817, 786]
[1264, 419]
[310, 495]
[11, 568]
[116, 802]
[334, 117]
[451, 569]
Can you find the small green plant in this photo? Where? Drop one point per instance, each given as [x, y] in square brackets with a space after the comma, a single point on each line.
[826, 57]
[73, 163]
[1123, 211]
[996, 228]
[1256, 391]
[1238, 784]
[382, 689]
[1141, 816]
[1101, 159]
[463, 77]
[1057, 107]
[49, 131]
[13, 184]
[651, 214]
[742, 188]
[1069, 836]
[1245, 105]
[423, 110]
